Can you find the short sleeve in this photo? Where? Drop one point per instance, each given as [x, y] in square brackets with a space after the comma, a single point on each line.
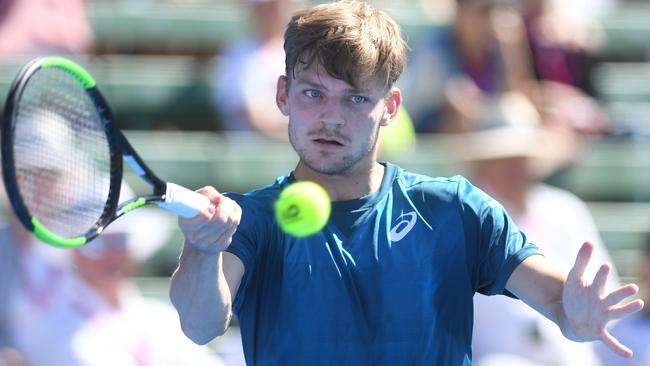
[244, 244]
[495, 245]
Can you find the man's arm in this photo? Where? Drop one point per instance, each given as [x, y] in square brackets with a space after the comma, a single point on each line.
[578, 305]
[207, 278]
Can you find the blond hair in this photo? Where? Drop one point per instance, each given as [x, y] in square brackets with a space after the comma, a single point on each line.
[350, 39]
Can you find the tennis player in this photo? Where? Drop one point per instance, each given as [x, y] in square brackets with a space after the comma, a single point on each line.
[390, 279]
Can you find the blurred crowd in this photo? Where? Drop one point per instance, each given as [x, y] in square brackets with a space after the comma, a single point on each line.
[82, 306]
[509, 82]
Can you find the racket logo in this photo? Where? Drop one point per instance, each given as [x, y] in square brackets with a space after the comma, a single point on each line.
[403, 226]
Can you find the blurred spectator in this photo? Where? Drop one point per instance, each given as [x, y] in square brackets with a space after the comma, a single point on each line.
[19, 254]
[85, 310]
[248, 71]
[10, 234]
[561, 44]
[482, 52]
[36, 273]
[11, 357]
[634, 330]
[586, 12]
[509, 152]
[44, 26]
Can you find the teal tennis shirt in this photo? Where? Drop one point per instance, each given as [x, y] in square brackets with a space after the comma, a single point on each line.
[388, 281]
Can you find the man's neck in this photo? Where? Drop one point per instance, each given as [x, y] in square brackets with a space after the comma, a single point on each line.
[351, 185]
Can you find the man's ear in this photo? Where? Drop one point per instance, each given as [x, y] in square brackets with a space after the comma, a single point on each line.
[282, 95]
[393, 102]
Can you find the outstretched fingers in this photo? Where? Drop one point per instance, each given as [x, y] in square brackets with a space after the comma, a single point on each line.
[582, 260]
[615, 345]
[619, 294]
[589, 308]
[600, 279]
[618, 312]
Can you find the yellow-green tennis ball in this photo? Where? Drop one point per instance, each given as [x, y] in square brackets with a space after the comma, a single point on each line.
[302, 209]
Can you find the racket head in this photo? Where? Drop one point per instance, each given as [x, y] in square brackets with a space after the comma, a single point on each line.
[61, 158]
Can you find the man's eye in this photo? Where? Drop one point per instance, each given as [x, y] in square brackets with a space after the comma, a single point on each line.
[357, 99]
[312, 93]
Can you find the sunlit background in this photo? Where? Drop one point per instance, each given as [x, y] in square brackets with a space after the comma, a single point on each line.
[155, 62]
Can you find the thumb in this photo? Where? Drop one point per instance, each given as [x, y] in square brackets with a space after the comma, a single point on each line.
[213, 195]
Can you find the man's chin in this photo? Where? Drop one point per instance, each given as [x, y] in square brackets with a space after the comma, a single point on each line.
[327, 168]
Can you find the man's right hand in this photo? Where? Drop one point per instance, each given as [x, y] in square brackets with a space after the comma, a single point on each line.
[211, 230]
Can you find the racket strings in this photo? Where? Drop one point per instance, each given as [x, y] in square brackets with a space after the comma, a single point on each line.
[62, 157]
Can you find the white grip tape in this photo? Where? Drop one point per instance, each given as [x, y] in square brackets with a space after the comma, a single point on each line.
[183, 202]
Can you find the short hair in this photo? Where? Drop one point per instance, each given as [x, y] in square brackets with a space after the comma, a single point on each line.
[350, 39]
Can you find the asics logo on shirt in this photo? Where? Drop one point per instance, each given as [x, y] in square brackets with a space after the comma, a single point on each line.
[403, 226]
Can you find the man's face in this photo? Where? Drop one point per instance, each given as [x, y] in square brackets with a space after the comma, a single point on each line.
[333, 126]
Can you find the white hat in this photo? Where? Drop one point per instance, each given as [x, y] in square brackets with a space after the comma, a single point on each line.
[510, 126]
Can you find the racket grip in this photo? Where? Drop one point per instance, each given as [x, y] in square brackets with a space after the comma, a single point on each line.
[183, 202]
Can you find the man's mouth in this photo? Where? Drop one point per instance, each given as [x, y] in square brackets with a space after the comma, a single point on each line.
[325, 141]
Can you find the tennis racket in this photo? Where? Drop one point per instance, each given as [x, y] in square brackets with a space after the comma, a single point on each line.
[62, 156]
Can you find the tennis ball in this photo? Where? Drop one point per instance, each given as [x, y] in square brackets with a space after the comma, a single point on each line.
[302, 209]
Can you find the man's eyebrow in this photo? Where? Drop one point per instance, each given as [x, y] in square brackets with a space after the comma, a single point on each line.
[317, 85]
[309, 83]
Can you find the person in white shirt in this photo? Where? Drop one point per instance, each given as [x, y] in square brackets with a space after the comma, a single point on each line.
[86, 311]
[514, 154]
[246, 73]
